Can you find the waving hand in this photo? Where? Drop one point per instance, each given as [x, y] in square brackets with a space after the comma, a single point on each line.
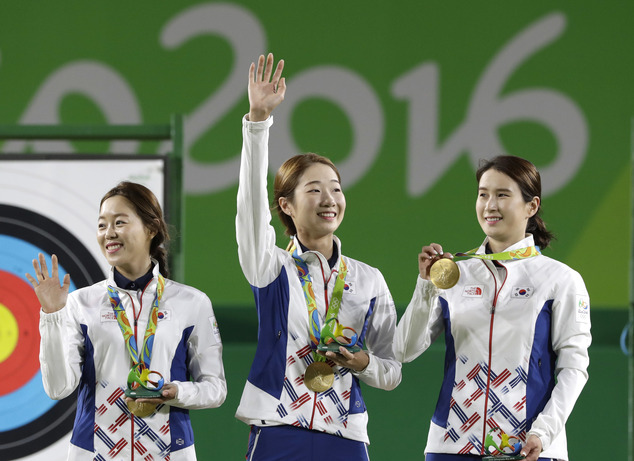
[265, 92]
[49, 292]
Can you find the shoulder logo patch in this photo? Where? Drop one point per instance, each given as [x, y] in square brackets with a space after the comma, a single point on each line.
[582, 309]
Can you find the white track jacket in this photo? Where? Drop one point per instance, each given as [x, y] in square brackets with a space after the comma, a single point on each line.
[83, 346]
[275, 393]
[516, 343]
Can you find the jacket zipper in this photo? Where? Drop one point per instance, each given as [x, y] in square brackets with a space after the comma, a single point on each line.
[493, 306]
[327, 303]
[136, 322]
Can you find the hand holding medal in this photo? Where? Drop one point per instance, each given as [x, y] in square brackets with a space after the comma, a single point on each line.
[439, 267]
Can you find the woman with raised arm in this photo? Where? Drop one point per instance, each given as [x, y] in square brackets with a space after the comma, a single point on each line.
[516, 324]
[326, 321]
[142, 349]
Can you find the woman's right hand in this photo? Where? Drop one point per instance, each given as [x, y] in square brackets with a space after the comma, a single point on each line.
[51, 295]
[265, 93]
[428, 256]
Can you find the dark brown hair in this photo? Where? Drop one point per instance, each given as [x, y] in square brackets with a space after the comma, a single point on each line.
[148, 208]
[525, 174]
[287, 179]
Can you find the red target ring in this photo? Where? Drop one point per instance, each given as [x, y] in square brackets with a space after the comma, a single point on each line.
[22, 363]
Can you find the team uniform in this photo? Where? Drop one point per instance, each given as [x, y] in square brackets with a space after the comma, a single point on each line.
[517, 335]
[275, 393]
[82, 346]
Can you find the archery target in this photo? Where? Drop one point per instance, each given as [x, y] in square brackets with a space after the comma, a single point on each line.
[48, 206]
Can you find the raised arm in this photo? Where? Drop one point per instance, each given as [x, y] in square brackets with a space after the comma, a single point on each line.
[254, 233]
[421, 323]
[61, 345]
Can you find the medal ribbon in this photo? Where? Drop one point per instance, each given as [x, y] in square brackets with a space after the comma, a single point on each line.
[126, 329]
[521, 253]
[314, 331]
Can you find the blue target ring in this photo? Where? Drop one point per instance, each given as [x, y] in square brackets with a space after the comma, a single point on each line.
[30, 401]
[29, 420]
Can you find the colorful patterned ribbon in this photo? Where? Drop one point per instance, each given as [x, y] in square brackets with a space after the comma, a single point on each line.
[335, 299]
[521, 253]
[126, 329]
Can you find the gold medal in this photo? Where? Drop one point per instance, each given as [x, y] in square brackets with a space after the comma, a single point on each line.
[141, 409]
[319, 377]
[444, 273]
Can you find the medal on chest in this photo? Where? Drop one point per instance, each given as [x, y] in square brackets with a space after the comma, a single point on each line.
[142, 382]
[319, 376]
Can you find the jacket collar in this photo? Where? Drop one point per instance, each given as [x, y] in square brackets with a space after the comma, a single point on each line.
[309, 254]
[151, 284]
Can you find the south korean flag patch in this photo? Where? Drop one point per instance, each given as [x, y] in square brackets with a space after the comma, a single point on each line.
[522, 292]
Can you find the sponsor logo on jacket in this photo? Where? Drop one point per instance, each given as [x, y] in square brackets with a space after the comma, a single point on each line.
[107, 315]
[472, 291]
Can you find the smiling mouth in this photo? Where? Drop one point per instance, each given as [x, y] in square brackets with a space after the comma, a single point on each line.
[113, 247]
[327, 214]
[493, 219]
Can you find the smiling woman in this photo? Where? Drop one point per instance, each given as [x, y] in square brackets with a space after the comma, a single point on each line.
[309, 200]
[326, 320]
[103, 338]
[516, 324]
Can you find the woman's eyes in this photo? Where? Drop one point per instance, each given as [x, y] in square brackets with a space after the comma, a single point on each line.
[117, 223]
[501, 194]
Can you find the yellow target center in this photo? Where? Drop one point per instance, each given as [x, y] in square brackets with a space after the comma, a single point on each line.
[9, 333]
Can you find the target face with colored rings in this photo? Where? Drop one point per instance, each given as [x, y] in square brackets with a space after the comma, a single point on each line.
[29, 419]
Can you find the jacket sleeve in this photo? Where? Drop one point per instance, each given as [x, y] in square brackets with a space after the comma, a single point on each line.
[383, 370]
[570, 340]
[254, 233]
[61, 351]
[421, 323]
[207, 388]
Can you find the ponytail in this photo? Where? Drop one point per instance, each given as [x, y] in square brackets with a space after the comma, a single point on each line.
[159, 252]
[537, 227]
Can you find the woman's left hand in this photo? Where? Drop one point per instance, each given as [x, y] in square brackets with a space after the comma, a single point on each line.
[532, 449]
[344, 358]
[169, 392]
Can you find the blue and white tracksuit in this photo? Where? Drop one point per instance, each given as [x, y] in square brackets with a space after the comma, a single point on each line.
[516, 337]
[82, 346]
[275, 393]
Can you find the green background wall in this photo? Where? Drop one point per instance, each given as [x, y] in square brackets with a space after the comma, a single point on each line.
[406, 97]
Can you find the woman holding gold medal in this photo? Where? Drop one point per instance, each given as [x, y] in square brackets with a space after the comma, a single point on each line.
[142, 349]
[516, 324]
[326, 321]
